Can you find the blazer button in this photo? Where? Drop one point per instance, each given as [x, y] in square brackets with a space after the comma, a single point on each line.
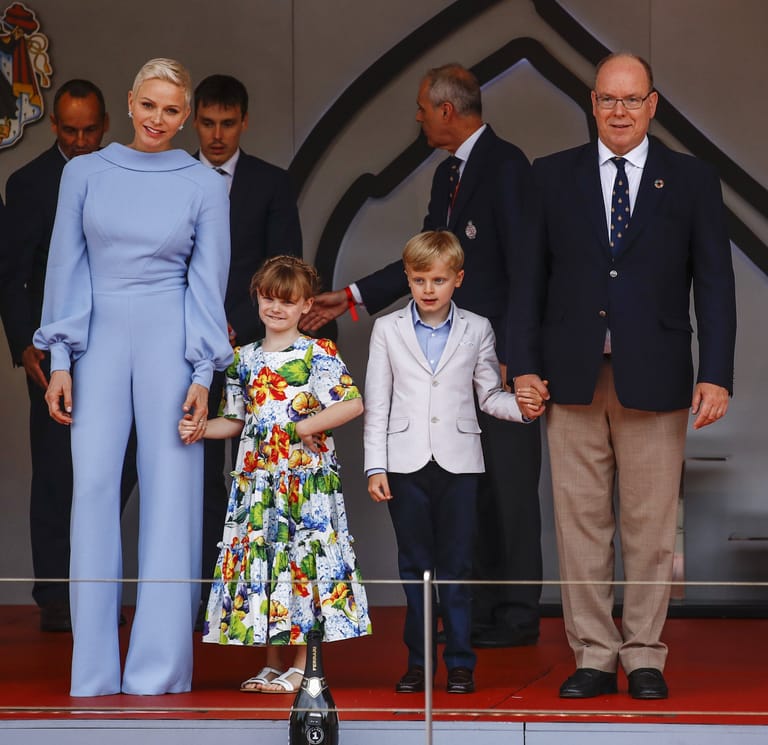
[613, 274]
[434, 420]
[435, 384]
[602, 314]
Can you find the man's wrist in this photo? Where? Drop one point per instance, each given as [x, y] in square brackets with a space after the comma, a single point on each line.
[351, 303]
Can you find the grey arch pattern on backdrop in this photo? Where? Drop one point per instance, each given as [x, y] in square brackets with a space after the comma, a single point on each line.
[370, 83]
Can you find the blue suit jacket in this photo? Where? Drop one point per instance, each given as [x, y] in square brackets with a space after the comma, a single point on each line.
[487, 217]
[572, 289]
[31, 194]
[264, 222]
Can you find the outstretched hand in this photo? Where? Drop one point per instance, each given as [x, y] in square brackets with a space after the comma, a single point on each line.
[326, 307]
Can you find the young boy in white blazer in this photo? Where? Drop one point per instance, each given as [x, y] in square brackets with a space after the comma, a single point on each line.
[423, 457]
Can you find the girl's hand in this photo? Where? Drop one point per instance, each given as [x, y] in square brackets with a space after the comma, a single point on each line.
[58, 396]
[311, 441]
[189, 430]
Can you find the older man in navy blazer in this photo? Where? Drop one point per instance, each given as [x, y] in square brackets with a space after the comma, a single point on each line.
[480, 195]
[625, 228]
[264, 222]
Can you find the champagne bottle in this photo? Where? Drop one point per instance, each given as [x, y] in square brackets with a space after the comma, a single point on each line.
[313, 715]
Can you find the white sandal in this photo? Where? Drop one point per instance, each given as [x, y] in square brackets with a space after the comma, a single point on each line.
[287, 681]
[265, 676]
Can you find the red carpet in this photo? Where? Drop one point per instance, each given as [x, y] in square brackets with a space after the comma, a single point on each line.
[716, 673]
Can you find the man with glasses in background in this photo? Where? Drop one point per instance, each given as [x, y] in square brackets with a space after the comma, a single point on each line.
[624, 227]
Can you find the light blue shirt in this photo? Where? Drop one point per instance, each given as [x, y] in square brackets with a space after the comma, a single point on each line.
[432, 339]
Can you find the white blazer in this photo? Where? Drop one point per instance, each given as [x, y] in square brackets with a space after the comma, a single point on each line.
[413, 414]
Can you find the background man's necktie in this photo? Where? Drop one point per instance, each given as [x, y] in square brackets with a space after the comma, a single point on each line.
[453, 182]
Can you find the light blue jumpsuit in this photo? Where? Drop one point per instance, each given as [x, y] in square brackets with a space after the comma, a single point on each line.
[134, 297]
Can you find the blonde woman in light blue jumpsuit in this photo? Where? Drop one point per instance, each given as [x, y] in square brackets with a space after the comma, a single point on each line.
[134, 306]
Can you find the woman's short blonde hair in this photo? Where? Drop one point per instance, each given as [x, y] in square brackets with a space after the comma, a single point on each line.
[285, 278]
[170, 70]
[421, 252]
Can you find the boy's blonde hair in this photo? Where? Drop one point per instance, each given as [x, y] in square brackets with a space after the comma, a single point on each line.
[425, 248]
[285, 278]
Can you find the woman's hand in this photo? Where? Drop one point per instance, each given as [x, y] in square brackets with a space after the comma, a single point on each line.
[58, 396]
[195, 409]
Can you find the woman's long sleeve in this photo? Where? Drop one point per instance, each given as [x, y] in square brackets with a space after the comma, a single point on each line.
[207, 342]
[67, 300]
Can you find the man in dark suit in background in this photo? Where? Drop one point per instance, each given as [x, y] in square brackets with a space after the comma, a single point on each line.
[625, 227]
[79, 121]
[480, 195]
[264, 222]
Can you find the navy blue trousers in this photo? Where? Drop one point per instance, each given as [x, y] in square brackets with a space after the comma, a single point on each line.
[434, 516]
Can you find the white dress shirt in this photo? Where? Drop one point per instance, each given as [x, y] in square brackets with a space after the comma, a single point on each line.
[633, 167]
[227, 166]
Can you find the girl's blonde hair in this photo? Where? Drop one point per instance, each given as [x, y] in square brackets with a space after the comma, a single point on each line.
[285, 278]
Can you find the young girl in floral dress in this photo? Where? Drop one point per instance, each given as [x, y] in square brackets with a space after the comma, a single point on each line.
[286, 563]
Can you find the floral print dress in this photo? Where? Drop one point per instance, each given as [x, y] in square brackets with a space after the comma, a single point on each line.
[286, 560]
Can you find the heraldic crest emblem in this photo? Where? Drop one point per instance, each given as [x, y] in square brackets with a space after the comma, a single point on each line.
[25, 69]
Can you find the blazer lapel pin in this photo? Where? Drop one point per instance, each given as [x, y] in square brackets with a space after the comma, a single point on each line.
[659, 183]
[470, 231]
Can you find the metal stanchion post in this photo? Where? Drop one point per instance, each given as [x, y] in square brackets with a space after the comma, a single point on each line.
[428, 663]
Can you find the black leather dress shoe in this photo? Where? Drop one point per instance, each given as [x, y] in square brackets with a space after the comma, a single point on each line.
[412, 681]
[587, 682]
[500, 636]
[460, 680]
[55, 617]
[647, 683]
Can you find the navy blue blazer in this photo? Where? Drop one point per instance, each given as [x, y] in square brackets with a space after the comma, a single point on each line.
[264, 222]
[31, 195]
[572, 289]
[487, 217]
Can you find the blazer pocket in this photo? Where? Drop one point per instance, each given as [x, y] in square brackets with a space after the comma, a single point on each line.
[397, 425]
[468, 426]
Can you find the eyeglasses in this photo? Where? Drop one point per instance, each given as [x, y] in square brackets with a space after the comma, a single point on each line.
[631, 102]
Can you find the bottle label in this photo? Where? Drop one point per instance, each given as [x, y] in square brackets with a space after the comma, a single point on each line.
[315, 687]
[315, 735]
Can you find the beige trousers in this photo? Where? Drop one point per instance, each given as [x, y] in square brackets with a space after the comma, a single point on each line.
[592, 447]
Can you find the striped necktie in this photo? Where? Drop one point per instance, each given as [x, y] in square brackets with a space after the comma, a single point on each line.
[454, 176]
